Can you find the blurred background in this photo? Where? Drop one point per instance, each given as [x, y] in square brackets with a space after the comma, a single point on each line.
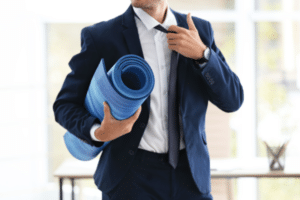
[260, 40]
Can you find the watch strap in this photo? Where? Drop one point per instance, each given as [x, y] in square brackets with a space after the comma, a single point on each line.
[205, 57]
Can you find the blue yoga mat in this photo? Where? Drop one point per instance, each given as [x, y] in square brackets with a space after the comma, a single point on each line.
[124, 87]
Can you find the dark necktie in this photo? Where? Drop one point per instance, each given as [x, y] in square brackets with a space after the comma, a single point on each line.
[173, 109]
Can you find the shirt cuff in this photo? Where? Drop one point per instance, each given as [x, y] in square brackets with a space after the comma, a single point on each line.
[202, 65]
[199, 66]
[92, 132]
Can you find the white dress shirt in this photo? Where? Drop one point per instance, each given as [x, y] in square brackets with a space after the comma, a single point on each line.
[156, 52]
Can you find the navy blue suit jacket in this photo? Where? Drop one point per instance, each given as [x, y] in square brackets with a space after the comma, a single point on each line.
[117, 37]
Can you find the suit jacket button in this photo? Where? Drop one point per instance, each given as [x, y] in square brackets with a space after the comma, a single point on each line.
[142, 125]
[131, 152]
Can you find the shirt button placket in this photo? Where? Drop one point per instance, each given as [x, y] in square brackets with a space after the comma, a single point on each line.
[165, 92]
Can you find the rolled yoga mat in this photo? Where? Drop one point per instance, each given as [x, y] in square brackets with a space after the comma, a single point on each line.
[125, 87]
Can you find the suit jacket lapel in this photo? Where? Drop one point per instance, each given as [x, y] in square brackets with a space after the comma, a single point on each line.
[131, 36]
[130, 33]
[181, 22]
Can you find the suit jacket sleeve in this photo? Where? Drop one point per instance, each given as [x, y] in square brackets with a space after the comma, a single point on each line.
[222, 85]
[69, 107]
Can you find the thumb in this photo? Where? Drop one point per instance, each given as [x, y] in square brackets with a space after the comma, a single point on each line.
[137, 113]
[106, 108]
[190, 22]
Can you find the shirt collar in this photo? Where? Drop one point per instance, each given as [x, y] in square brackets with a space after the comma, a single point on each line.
[150, 22]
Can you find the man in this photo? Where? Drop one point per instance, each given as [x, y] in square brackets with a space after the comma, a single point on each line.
[139, 162]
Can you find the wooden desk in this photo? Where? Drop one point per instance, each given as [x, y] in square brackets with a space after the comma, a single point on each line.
[220, 168]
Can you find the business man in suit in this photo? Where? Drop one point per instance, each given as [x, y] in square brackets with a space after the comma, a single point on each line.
[137, 164]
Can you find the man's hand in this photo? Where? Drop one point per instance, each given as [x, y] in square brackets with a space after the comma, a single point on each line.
[111, 128]
[186, 41]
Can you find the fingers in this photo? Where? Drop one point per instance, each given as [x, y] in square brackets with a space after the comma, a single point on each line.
[175, 42]
[173, 39]
[190, 22]
[137, 113]
[106, 109]
[174, 47]
[135, 116]
[132, 118]
[177, 29]
[172, 36]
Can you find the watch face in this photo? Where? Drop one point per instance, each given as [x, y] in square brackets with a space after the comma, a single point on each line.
[207, 53]
[205, 56]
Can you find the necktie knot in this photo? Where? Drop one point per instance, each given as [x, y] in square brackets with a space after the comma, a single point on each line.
[162, 29]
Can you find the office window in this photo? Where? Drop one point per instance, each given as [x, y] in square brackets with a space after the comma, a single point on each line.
[268, 5]
[63, 42]
[277, 88]
[203, 4]
[297, 5]
[277, 50]
[271, 93]
[23, 125]
[225, 34]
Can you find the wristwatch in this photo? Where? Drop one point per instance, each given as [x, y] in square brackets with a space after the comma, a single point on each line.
[205, 57]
